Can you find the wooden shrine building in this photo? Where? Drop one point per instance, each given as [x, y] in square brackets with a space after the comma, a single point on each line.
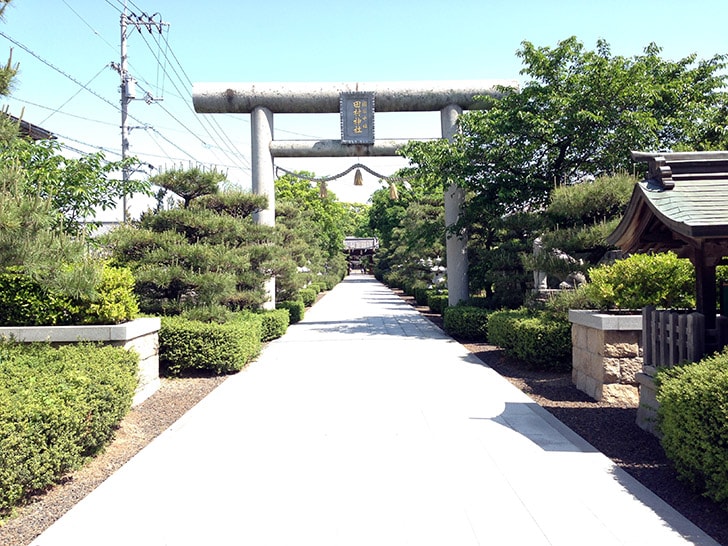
[682, 206]
[360, 251]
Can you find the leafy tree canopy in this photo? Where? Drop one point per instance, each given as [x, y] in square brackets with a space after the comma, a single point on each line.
[580, 114]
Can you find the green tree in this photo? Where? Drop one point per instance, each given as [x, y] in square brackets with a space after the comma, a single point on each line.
[579, 115]
[76, 188]
[189, 184]
[330, 217]
[209, 254]
[577, 221]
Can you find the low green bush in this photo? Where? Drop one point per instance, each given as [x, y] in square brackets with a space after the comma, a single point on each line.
[115, 302]
[331, 280]
[58, 406]
[693, 420]
[420, 294]
[296, 310]
[308, 296]
[187, 345]
[24, 302]
[537, 338]
[466, 322]
[663, 280]
[274, 324]
[437, 301]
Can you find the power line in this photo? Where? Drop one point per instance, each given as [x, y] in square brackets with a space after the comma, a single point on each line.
[50, 65]
[225, 141]
[87, 24]
[15, 98]
[73, 96]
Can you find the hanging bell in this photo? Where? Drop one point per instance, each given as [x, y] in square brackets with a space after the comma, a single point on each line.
[323, 190]
[393, 195]
[358, 180]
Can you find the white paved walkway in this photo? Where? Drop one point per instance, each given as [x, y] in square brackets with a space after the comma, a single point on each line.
[365, 425]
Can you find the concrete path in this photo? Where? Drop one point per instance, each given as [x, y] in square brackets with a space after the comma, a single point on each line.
[365, 425]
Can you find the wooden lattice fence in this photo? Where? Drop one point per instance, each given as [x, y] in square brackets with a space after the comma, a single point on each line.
[670, 337]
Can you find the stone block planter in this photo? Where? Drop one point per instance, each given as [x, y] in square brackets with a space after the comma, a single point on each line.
[606, 355]
[141, 334]
[647, 410]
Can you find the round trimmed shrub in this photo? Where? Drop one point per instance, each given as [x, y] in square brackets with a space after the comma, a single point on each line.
[663, 280]
[308, 296]
[693, 420]
[296, 310]
[115, 302]
[273, 324]
[437, 301]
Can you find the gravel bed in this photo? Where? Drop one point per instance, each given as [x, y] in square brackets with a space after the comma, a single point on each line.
[608, 427]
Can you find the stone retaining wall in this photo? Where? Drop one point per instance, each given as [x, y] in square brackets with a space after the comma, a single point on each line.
[142, 335]
[606, 355]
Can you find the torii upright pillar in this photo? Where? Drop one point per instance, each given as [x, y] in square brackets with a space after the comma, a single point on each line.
[455, 243]
[262, 100]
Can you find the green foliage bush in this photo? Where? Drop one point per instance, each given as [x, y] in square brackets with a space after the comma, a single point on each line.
[115, 301]
[330, 281]
[187, 345]
[437, 301]
[466, 322]
[536, 337]
[58, 406]
[24, 302]
[274, 324]
[308, 296]
[693, 419]
[296, 310]
[420, 294]
[663, 280]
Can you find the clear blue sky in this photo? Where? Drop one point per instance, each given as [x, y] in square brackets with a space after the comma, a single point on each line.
[291, 41]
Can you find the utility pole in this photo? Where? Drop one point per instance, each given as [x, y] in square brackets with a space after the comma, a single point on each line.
[128, 83]
[126, 80]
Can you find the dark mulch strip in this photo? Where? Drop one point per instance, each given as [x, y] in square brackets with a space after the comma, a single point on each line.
[610, 428]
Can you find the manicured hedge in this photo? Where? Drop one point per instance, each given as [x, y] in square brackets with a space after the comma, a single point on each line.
[296, 310]
[273, 324]
[465, 322]
[186, 345]
[420, 294]
[57, 408]
[308, 296]
[693, 420]
[537, 338]
[437, 301]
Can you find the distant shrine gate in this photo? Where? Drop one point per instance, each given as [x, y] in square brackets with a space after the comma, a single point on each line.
[356, 103]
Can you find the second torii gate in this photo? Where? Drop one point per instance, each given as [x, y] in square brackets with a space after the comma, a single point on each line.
[262, 100]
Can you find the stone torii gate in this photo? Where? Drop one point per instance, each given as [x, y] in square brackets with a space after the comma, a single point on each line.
[262, 100]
